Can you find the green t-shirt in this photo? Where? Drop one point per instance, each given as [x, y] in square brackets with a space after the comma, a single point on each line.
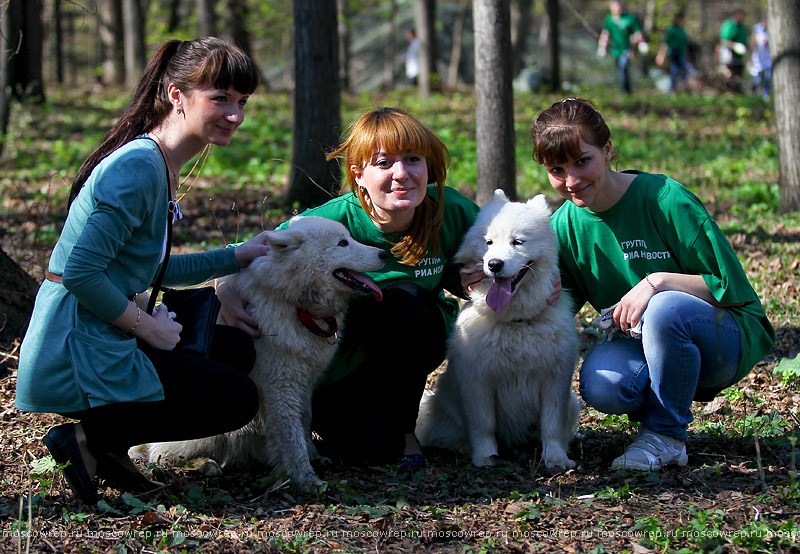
[435, 272]
[657, 225]
[676, 41]
[620, 31]
[734, 32]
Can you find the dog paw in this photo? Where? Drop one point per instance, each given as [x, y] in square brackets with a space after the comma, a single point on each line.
[308, 481]
[559, 463]
[485, 461]
[206, 467]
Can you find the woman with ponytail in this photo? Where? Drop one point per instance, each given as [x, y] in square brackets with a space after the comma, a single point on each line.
[91, 352]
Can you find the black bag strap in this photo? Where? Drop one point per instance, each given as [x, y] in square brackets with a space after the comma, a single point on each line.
[157, 284]
[170, 213]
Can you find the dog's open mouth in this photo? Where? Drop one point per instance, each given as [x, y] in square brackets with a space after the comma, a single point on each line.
[503, 287]
[358, 282]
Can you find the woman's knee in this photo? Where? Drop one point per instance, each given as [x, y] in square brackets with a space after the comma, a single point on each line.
[613, 378]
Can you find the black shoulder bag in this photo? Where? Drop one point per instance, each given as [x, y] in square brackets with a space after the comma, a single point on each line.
[195, 309]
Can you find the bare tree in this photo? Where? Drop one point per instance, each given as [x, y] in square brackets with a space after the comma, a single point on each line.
[520, 29]
[389, 61]
[553, 48]
[206, 18]
[133, 32]
[112, 52]
[317, 103]
[495, 101]
[425, 23]
[23, 32]
[783, 20]
[456, 51]
[343, 32]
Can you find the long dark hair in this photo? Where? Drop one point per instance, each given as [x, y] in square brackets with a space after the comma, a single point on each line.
[207, 62]
[397, 132]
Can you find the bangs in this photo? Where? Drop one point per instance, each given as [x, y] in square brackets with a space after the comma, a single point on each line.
[225, 69]
[558, 144]
[392, 136]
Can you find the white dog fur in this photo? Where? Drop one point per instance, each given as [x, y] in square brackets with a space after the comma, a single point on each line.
[316, 265]
[510, 366]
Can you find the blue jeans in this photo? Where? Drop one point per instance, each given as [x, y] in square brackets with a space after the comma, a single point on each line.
[686, 344]
[624, 71]
[764, 80]
[679, 71]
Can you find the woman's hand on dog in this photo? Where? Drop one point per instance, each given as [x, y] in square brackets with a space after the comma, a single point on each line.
[233, 309]
[252, 249]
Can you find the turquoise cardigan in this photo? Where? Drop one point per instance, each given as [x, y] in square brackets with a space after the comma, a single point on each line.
[111, 247]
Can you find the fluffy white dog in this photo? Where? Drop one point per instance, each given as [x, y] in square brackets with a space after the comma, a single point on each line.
[512, 355]
[298, 294]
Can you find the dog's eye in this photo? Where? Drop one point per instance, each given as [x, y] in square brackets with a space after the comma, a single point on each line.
[517, 242]
[343, 243]
[489, 242]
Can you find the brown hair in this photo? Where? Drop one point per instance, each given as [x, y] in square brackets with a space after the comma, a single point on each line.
[397, 132]
[558, 130]
[207, 62]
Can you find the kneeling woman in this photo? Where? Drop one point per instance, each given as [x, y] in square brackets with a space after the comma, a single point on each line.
[90, 353]
[365, 408]
[646, 245]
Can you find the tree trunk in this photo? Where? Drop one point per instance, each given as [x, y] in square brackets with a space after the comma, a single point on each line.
[455, 53]
[133, 30]
[495, 102]
[174, 15]
[16, 302]
[58, 42]
[111, 42]
[390, 53]
[783, 22]
[25, 41]
[425, 23]
[6, 49]
[206, 18]
[343, 33]
[520, 29]
[554, 49]
[317, 103]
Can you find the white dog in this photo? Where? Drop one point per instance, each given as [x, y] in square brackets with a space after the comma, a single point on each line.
[312, 269]
[512, 355]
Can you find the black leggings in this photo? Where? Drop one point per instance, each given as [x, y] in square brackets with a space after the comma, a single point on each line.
[202, 397]
[365, 415]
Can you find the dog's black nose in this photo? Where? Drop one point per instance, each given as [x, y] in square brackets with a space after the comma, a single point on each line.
[495, 265]
[382, 254]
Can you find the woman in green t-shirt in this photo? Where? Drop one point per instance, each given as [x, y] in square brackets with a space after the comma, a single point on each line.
[394, 198]
[645, 246]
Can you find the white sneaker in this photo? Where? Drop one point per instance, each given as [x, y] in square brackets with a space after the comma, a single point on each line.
[651, 451]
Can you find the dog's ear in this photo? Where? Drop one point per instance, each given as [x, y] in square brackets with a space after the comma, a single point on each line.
[540, 202]
[283, 241]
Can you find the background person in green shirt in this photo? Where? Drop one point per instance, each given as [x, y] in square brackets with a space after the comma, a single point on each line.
[733, 35]
[621, 34]
[645, 246]
[394, 198]
[674, 47]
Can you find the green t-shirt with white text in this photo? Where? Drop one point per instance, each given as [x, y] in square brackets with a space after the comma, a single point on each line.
[657, 225]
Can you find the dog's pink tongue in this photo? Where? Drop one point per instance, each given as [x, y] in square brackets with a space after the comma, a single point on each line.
[499, 293]
[369, 283]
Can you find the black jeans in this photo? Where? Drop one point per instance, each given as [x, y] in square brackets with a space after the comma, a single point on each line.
[202, 397]
[365, 415]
